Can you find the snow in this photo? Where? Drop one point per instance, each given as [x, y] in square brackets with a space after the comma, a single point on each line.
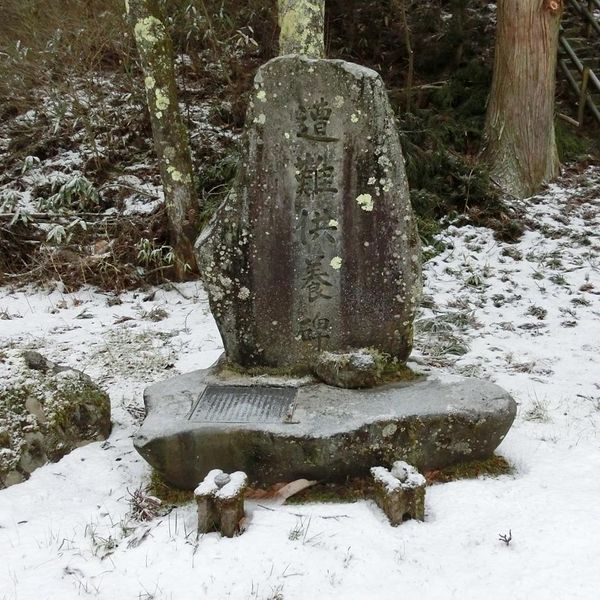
[525, 316]
[223, 485]
[402, 475]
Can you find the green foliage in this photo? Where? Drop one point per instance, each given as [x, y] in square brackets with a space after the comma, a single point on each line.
[151, 254]
[572, 144]
[77, 193]
[441, 144]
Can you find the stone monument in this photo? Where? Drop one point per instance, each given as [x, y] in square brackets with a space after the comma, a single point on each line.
[316, 248]
[312, 268]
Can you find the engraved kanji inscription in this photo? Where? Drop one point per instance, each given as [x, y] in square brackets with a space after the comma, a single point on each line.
[313, 121]
[318, 226]
[315, 330]
[316, 279]
[314, 176]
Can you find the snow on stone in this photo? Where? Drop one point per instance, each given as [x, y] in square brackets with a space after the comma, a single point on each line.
[208, 485]
[231, 489]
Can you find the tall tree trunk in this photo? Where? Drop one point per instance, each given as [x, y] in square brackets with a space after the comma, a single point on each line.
[170, 135]
[520, 141]
[302, 27]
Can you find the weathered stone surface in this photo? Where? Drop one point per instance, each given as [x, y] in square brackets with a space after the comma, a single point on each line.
[44, 417]
[332, 432]
[400, 493]
[316, 247]
[358, 369]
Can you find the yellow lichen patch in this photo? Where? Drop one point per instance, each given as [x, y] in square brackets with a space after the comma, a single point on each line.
[147, 30]
[162, 100]
[300, 28]
[169, 153]
[175, 174]
[365, 201]
[336, 263]
[149, 82]
[262, 96]
[333, 223]
[178, 175]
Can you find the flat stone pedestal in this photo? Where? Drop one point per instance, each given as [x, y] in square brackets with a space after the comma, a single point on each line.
[281, 429]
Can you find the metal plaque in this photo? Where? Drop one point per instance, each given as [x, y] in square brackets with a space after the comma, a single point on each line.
[248, 404]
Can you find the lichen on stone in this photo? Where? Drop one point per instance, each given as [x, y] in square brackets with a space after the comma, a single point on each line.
[261, 119]
[365, 201]
[46, 416]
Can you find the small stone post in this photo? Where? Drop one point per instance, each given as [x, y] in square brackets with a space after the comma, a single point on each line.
[302, 27]
[220, 500]
[400, 493]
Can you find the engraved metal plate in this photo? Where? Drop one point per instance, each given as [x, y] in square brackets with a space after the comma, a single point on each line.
[249, 404]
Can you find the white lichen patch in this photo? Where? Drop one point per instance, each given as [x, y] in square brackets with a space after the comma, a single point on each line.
[145, 30]
[333, 223]
[261, 119]
[389, 430]
[162, 100]
[149, 82]
[175, 174]
[244, 293]
[262, 96]
[365, 201]
[336, 263]
[338, 101]
[354, 118]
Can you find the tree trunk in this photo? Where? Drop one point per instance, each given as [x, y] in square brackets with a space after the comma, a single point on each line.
[170, 135]
[302, 27]
[520, 141]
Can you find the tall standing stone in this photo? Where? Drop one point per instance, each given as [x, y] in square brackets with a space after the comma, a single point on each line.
[316, 247]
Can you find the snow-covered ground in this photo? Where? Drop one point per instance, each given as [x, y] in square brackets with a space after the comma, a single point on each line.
[526, 316]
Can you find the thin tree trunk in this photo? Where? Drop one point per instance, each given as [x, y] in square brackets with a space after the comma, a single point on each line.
[520, 140]
[170, 135]
[302, 27]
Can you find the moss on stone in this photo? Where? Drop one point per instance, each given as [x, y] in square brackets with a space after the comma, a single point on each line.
[235, 369]
[494, 466]
[360, 488]
[46, 416]
[167, 494]
[352, 490]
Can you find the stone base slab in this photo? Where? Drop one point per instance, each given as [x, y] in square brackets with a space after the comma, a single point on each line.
[330, 433]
